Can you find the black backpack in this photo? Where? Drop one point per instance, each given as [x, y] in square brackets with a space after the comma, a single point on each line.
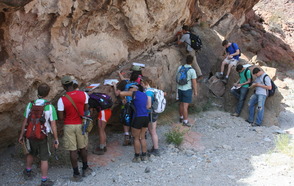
[126, 114]
[235, 49]
[272, 91]
[247, 77]
[196, 42]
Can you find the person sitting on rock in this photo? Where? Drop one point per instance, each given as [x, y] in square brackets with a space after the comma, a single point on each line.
[262, 84]
[232, 58]
[40, 147]
[241, 88]
[184, 38]
[140, 120]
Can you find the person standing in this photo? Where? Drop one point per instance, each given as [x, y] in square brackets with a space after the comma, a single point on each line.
[140, 120]
[232, 58]
[74, 139]
[241, 88]
[185, 91]
[146, 83]
[184, 38]
[262, 84]
[37, 146]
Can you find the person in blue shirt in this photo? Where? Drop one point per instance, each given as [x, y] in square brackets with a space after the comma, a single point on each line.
[140, 120]
[232, 58]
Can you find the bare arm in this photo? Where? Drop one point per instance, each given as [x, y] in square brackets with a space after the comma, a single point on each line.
[194, 84]
[20, 139]
[121, 77]
[54, 130]
[149, 102]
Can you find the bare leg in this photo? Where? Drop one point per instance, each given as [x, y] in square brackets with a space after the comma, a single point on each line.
[185, 110]
[143, 140]
[154, 136]
[223, 66]
[101, 131]
[229, 69]
[44, 168]
[136, 135]
[30, 160]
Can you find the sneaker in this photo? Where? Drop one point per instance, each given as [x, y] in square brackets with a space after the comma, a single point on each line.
[136, 159]
[47, 183]
[235, 114]
[186, 124]
[255, 125]
[219, 75]
[249, 122]
[86, 172]
[28, 175]
[181, 120]
[155, 152]
[144, 158]
[127, 140]
[99, 151]
[77, 178]
[225, 81]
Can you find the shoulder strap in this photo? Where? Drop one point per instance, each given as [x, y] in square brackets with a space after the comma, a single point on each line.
[264, 79]
[73, 103]
[245, 73]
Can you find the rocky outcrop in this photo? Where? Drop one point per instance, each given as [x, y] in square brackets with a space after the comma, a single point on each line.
[43, 40]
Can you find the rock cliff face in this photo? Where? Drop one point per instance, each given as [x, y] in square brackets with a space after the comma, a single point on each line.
[43, 40]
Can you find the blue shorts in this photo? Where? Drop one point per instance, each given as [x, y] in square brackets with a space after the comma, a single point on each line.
[185, 96]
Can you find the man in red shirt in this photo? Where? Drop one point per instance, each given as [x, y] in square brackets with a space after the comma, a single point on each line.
[74, 139]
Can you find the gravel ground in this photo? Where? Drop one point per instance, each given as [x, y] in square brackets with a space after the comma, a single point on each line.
[218, 150]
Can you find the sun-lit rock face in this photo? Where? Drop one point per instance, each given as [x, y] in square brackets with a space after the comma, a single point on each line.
[41, 40]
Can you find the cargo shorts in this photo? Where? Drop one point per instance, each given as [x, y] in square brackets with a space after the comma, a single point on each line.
[73, 137]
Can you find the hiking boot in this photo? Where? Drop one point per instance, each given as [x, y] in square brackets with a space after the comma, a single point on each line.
[127, 140]
[47, 183]
[235, 114]
[99, 151]
[144, 158]
[136, 159]
[28, 175]
[77, 178]
[186, 124]
[255, 125]
[225, 81]
[87, 172]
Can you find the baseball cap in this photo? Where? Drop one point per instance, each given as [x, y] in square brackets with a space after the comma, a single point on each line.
[66, 80]
[136, 68]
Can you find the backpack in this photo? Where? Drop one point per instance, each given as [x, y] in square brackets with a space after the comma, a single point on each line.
[235, 49]
[126, 114]
[247, 77]
[196, 42]
[159, 102]
[35, 129]
[100, 101]
[272, 91]
[181, 77]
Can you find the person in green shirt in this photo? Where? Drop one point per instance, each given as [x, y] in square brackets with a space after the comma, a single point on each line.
[40, 147]
[241, 88]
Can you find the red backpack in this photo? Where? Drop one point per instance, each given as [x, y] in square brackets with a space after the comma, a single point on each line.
[35, 128]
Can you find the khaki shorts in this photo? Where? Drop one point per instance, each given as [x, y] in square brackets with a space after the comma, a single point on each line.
[231, 61]
[73, 137]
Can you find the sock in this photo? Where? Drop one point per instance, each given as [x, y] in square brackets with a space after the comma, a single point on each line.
[44, 178]
[85, 165]
[182, 117]
[28, 169]
[227, 77]
[185, 121]
[127, 133]
[137, 155]
[143, 153]
[76, 171]
[101, 146]
[221, 73]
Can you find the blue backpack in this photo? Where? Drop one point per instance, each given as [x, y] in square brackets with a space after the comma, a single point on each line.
[182, 77]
